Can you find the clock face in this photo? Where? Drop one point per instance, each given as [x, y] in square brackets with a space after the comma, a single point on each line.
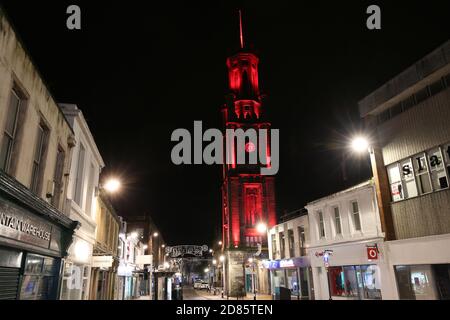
[250, 147]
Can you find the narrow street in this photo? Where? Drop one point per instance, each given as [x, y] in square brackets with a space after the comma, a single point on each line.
[189, 293]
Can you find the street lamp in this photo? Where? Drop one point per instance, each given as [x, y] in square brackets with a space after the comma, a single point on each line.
[360, 144]
[155, 234]
[112, 185]
[214, 261]
[219, 243]
[261, 227]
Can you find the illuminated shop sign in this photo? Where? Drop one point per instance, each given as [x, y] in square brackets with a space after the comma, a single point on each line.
[300, 262]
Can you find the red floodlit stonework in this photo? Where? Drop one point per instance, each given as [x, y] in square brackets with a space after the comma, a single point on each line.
[248, 196]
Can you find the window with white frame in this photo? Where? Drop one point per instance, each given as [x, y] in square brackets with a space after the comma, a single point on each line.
[420, 164]
[337, 221]
[79, 175]
[437, 169]
[421, 174]
[321, 224]
[355, 215]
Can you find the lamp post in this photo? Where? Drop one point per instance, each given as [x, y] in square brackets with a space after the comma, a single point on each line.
[261, 228]
[360, 145]
[222, 260]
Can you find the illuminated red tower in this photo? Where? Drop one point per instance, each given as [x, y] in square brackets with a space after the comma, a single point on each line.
[248, 198]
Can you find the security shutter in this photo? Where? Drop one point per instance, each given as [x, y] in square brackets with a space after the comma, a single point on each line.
[9, 283]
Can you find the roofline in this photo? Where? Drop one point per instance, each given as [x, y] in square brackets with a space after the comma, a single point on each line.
[85, 128]
[348, 190]
[425, 67]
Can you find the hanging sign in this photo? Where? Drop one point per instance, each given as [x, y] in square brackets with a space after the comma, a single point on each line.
[372, 253]
[180, 251]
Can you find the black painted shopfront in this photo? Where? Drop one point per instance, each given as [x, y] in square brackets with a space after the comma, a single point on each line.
[34, 237]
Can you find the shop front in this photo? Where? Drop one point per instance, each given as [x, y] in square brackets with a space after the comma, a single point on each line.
[34, 238]
[292, 274]
[351, 271]
[128, 281]
[421, 268]
[103, 278]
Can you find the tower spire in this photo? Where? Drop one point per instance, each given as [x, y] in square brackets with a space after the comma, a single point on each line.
[241, 33]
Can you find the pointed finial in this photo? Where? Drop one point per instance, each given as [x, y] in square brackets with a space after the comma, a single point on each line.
[241, 33]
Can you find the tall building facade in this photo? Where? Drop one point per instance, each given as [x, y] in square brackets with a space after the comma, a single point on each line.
[409, 117]
[82, 185]
[36, 145]
[248, 198]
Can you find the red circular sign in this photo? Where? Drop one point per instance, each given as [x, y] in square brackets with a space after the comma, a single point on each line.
[372, 253]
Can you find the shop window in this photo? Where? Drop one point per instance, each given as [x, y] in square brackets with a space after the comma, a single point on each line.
[356, 216]
[422, 174]
[369, 279]
[40, 278]
[417, 282]
[360, 282]
[292, 281]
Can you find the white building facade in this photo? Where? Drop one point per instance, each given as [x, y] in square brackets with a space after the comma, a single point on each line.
[410, 116]
[83, 185]
[347, 251]
[289, 262]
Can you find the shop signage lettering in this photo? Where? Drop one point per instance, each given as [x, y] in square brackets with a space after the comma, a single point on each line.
[19, 225]
[23, 226]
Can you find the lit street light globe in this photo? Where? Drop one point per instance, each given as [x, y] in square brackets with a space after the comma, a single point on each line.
[222, 258]
[360, 144]
[206, 270]
[220, 243]
[112, 185]
[261, 227]
[214, 262]
[155, 234]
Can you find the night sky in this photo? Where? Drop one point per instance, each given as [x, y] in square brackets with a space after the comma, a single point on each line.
[141, 69]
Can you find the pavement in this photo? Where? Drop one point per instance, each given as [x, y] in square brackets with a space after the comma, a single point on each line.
[190, 293]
